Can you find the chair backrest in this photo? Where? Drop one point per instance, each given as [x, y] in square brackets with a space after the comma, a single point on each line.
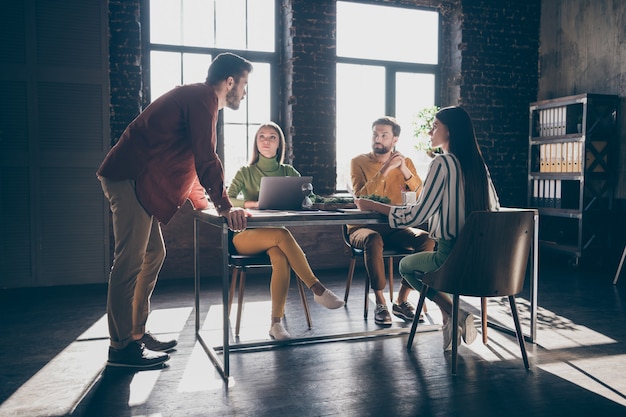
[489, 257]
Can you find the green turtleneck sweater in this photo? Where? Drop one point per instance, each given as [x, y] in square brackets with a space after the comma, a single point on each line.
[248, 179]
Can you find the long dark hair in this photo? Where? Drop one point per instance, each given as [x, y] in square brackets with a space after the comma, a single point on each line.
[464, 146]
[280, 152]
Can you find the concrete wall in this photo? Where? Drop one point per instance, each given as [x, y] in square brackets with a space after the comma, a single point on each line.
[583, 50]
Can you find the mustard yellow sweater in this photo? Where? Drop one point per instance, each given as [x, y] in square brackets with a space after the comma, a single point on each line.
[367, 179]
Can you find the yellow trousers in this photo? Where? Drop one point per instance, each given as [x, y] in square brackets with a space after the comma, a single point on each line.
[284, 253]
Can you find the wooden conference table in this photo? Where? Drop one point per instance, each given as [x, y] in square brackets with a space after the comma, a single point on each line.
[271, 218]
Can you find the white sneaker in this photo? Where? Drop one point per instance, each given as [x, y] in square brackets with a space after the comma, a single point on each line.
[329, 300]
[278, 332]
[447, 335]
[468, 330]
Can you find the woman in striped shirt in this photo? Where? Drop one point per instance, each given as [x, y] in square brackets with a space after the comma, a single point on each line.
[457, 183]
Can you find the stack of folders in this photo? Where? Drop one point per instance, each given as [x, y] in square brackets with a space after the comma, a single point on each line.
[560, 157]
[552, 122]
[547, 193]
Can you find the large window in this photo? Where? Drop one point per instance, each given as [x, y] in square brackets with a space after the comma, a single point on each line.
[387, 64]
[185, 35]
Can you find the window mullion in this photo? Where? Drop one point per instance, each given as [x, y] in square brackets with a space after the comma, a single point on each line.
[390, 92]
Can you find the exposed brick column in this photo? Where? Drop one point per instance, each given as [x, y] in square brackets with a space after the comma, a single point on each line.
[125, 64]
[499, 78]
[310, 57]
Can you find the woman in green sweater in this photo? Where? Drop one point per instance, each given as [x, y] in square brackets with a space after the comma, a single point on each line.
[277, 242]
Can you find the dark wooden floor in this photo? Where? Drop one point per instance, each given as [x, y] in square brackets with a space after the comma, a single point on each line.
[54, 343]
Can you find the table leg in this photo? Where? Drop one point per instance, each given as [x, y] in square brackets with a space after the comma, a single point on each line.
[196, 269]
[222, 367]
[225, 294]
[534, 281]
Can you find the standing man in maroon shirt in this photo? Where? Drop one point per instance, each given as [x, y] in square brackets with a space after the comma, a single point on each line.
[164, 157]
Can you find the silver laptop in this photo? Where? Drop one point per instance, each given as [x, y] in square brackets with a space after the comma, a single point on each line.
[282, 193]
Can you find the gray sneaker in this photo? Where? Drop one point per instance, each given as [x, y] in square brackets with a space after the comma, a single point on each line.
[404, 310]
[381, 315]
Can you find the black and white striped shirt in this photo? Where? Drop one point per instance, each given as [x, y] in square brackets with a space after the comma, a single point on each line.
[441, 202]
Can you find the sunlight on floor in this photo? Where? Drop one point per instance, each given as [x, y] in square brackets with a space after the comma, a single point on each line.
[200, 374]
[67, 377]
[553, 331]
[603, 376]
[141, 386]
[255, 318]
[64, 380]
[558, 332]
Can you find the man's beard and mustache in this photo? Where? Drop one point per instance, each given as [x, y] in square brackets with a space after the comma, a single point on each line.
[232, 99]
[380, 149]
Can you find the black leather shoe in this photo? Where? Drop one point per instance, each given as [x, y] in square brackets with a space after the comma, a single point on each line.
[135, 355]
[152, 343]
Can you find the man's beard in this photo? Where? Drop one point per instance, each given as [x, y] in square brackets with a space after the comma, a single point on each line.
[380, 150]
[232, 99]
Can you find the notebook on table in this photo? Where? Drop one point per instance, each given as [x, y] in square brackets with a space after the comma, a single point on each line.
[282, 193]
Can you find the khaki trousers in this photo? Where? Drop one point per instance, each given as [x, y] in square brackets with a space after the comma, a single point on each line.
[138, 257]
[374, 238]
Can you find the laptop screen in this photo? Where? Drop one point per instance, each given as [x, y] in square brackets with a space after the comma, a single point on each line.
[282, 193]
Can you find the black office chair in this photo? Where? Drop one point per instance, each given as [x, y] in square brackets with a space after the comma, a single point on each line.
[489, 259]
[240, 265]
[388, 254]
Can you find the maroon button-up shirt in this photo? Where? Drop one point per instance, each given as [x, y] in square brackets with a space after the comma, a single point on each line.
[170, 152]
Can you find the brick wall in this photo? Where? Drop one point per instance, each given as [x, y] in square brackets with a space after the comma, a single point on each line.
[498, 43]
[311, 51]
[499, 78]
[124, 63]
[489, 65]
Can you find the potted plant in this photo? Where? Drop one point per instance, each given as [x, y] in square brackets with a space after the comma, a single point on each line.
[421, 126]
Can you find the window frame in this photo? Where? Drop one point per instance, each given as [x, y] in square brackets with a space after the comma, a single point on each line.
[271, 58]
[392, 68]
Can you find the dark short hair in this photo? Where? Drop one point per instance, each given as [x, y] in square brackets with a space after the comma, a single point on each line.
[389, 121]
[227, 65]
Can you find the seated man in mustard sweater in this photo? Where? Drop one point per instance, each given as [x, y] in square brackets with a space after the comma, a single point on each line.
[386, 173]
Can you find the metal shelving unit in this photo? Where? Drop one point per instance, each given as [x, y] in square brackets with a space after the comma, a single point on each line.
[571, 172]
